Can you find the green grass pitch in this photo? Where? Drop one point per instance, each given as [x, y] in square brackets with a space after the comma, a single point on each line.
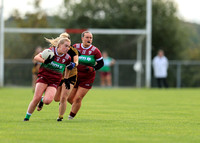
[106, 116]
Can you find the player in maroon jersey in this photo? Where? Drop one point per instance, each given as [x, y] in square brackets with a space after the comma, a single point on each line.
[63, 91]
[86, 74]
[50, 75]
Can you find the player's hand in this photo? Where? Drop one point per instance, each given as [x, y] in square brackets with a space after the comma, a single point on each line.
[71, 66]
[89, 69]
[49, 59]
[72, 80]
[67, 83]
[61, 82]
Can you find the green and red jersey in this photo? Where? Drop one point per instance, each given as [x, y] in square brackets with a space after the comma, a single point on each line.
[55, 69]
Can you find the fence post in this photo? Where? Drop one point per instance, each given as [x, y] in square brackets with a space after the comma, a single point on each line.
[139, 60]
[178, 75]
[116, 74]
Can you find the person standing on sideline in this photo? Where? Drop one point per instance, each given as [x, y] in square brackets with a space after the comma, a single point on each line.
[36, 66]
[160, 66]
[49, 76]
[86, 74]
[105, 71]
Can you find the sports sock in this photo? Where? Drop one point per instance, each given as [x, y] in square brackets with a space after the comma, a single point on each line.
[28, 115]
[60, 116]
[72, 114]
[42, 98]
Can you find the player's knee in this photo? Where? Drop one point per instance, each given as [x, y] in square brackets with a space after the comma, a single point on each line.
[70, 100]
[56, 99]
[47, 101]
[63, 99]
[78, 100]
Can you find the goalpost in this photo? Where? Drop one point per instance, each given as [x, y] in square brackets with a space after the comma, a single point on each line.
[1, 46]
[145, 32]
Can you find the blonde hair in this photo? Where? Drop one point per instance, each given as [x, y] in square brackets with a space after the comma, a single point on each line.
[65, 35]
[62, 40]
[55, 41]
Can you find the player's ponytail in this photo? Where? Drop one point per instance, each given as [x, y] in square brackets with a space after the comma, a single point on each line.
[54, 42]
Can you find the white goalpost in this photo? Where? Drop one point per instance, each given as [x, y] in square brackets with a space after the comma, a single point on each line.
[1, 46]
[144, 32]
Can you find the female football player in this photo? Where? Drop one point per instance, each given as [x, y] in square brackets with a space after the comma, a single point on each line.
[50, 75]
[86, 74]
[64, 89]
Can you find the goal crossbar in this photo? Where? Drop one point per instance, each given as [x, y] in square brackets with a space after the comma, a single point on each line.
[72, 31]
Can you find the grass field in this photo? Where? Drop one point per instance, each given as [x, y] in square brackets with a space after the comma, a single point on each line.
[106, 116]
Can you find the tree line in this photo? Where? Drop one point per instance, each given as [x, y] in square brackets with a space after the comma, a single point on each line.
[178, 39]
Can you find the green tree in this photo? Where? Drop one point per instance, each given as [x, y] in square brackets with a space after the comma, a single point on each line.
[193, 52]
[167, 32]
[24, 44]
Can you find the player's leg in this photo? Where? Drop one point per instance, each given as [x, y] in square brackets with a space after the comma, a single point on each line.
[73, 85]
[80, 93]
[39, 90]
[103, 79]
[66, 93]
[109, 79]
[63, 101]
[71, 96]
[48, 97]
[58, 93]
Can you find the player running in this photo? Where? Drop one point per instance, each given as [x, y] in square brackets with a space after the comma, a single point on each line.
[64, 89]
[86, 74]
[50, 75]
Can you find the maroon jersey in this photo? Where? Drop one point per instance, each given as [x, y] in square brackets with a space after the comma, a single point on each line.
[53, 71]
[82, 73]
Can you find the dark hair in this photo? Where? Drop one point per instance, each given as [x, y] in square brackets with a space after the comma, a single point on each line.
[82, 35]
[160, 50]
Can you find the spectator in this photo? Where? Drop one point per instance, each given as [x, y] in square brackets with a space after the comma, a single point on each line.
[160, 66]
[105, 71]
[36, 66]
